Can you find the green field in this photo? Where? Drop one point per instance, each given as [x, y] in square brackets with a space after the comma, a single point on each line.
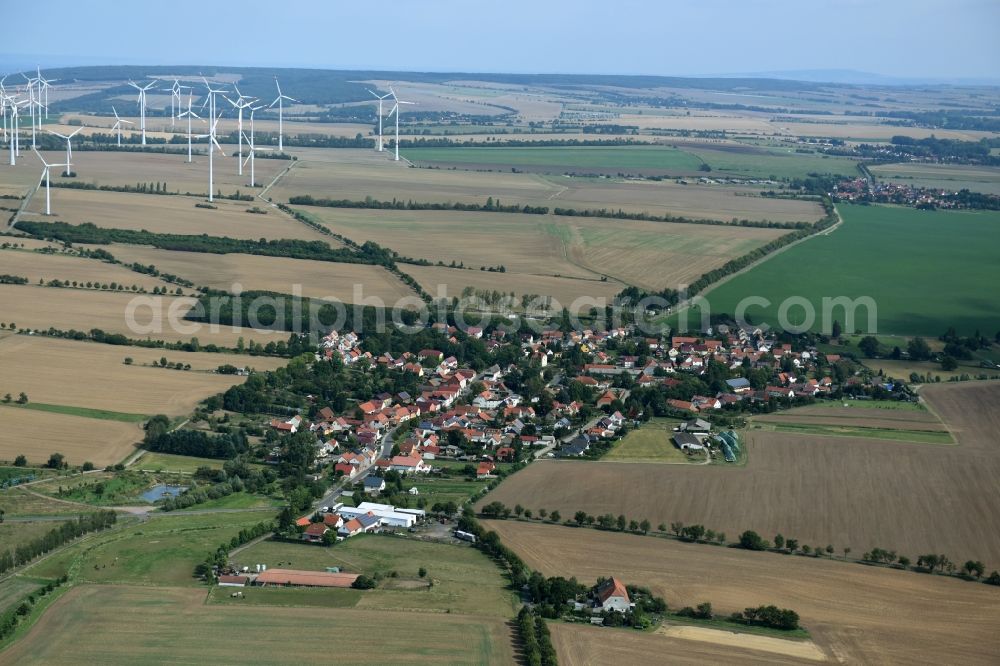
[629, 159]
[15, 534]
[650, 444]
[925, 270]
[123, 624]
[168, 462]
[85, 412]
[13, 589]
[776, 163]
[18, 502]
[891, 434]
[464, 580]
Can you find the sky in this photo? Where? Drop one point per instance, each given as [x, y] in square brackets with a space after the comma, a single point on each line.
[908, 39]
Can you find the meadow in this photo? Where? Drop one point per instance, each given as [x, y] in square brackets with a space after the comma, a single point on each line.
[650, 443]
[174, 625]
[314, 279]
[854, 613]
[90, 375]
[565, 290]
[171, 215]
[464, 580]
[950, 177]
[925, 270]
[916, 498]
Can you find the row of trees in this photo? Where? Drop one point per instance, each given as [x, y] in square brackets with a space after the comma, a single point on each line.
[10, 618]
[410, 204]
[535, 639]
[57, 536]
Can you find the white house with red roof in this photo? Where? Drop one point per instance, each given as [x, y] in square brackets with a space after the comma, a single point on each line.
[611, 595]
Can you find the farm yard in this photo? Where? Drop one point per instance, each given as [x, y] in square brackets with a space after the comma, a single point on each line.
[313, 279]
[171, 215]
[875, 241]
[174, 624]
[845, 607]
[94, 376]
[917, 498]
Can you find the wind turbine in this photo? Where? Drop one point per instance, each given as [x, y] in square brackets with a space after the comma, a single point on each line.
[190, 114]
[118, 126]
[15, 139]
[69, 145]
[142, 105]
[45, 176]
[395, 109]
[212, 146]
[4, 101]
[380, 98]
[32, 101]
[280, 103]
[252, 145]
[242, 102]
[43, 88]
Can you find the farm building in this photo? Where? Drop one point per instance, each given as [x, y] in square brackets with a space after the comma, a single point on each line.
[296, 578]
[685, 441]
[233, 581]
[386, 514]
[612, 595]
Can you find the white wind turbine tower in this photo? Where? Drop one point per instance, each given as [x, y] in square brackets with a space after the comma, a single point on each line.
[118, 125]
[142, 105]
[32, 101]
[242, 102]
[395, 109]
[190, 114]
[4, 102]
[212, 146]
[15, 139]
[46, 171]
[252, 145]
[279, 101]
[69, 145]
[44, 86]
[380, 98]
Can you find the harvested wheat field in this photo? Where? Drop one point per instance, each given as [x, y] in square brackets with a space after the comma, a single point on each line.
[94, 376]
[315, 279]
[173, 625]
[121, 168]
[170, 215]
[86, 309]
[854, 613]
[37, 435]
[648, 254]
[44, 266]
[579, 645]
[565, 290]
[843, 491]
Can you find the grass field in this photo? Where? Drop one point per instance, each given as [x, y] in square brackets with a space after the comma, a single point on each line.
[36, 435]
[650, 444]
[855, 614]
[451, 281]
[167, 462]
[83, 310]
[578, 159]
[875, 241]
[899, 424]
[42, 266]
[13, 534]
[550, 245]
[19, 503]
[950, 177]
[917, 498]
[313, 279]
[174, 625]
[13, 590]
[94, 376]
[170, 215]
[465, 580]
[747, 162]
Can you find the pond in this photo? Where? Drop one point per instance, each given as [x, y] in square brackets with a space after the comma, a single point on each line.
[161, 490]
